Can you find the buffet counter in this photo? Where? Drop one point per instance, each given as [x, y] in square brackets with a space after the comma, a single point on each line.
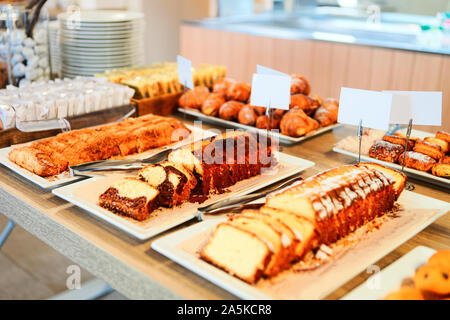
[133, 268]
[330, 51]
[388, 30]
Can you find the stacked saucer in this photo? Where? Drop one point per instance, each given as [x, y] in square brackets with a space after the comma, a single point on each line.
[94, 41]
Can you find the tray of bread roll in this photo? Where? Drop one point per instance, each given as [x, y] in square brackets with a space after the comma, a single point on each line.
[163, 195]
[427, 157]
[45, 162]
[307, 240]
[228, 105]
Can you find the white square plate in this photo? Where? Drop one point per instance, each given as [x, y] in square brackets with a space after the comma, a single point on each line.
[417, 212]
[413, 173]
[232, 124]
[85, 195]
[65, 178]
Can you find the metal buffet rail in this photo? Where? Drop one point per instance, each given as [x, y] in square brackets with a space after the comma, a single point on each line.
[133, 268]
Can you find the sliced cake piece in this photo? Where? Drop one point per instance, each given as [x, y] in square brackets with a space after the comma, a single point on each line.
[171, 183]
[222, 161]
[130, 197]
[268, 233]
[289, 240]
[304, 229]
[240, 252]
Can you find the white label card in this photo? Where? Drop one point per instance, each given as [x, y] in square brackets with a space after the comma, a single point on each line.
[272, 91]
[264, 70]
[424, 107]
[185, 72]
[372, 107]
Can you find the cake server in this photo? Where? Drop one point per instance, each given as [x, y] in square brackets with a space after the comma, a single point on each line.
[233, 203]
[125, 164]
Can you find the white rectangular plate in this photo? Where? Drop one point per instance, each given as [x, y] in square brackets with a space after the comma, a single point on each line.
[413, 173]
[65, 178]
[231, 124]
[418, 212]
[84, 194]
[390, 278]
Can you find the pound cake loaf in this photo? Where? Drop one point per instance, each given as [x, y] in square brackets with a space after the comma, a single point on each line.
[319, 210]
[224, 160]
[197, 169]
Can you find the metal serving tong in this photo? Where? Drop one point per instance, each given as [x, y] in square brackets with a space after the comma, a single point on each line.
[126, 164]
[240, 202]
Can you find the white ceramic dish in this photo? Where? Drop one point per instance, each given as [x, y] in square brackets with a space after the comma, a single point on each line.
[102, 16]
[65, 178]
[390, 278]
[417, 174]
[418, 212]
[85, 195]
[232, 124]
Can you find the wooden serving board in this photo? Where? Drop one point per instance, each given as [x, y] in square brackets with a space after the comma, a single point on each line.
[351, 255]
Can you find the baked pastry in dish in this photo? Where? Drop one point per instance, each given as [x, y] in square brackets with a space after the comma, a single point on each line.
[327, 113]
[319, 210]
[395, 139]
[307, 104]
[212, 104]
[430, 149]
[442, 168]
[53, 155]
[195, 170]
[441, 143]
[194, 98]
[443, 135]
[386, 151]
[239, 91]
[418, 161]
[317, 111]
[299, 84]
[296, 123]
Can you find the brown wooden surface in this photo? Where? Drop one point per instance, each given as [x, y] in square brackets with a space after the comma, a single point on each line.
[131, 267]
[328, 65]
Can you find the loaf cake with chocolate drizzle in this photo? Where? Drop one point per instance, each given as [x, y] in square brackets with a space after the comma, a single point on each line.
[319, 210]
[195, 170]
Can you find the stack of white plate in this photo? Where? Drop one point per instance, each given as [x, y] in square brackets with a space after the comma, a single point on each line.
[94, 41]
[55, 54]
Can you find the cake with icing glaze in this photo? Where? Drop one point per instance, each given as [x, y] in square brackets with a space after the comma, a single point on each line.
[318, 211]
